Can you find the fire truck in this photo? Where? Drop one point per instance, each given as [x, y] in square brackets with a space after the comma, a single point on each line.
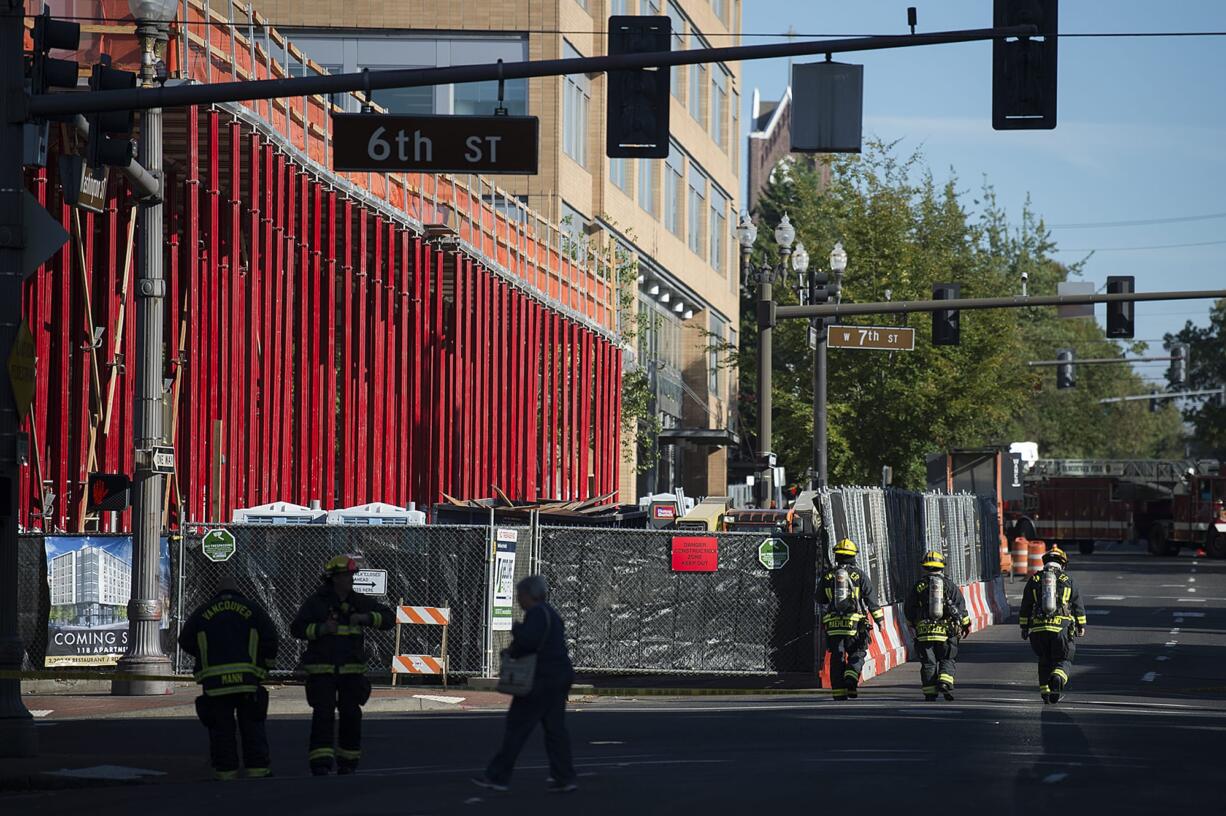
[1168, 503]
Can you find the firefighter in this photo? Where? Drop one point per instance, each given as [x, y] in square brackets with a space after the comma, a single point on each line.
[332, 621]
[937, 615]
[234, 642]
[846, 601]
[1051, 616]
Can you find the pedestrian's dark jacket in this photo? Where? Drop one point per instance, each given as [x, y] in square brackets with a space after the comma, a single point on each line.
[542, 633]
[343, 652]
[915, 608]
[234, 642]
[1069, 608]
[863, 596]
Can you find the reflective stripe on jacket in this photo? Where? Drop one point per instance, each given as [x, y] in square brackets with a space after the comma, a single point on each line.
[233, 641]
[863, 596]
[1069, 608]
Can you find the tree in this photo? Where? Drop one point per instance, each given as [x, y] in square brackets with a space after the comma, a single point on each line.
[903, 232]
[1206, 369]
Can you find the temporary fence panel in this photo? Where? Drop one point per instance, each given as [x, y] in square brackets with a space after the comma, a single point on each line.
[280, 566]
[627, 611]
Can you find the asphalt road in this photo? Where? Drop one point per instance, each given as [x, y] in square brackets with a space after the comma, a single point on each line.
[1142, 731]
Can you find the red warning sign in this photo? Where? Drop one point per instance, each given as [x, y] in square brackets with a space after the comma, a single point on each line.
[695, 554]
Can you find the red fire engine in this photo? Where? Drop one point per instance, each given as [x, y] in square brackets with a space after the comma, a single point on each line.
[1168, 503]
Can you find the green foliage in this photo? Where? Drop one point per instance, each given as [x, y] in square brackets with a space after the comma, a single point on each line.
[904, 232]
[1206, 369]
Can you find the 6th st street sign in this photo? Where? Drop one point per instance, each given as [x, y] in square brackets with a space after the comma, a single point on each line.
[435, 144]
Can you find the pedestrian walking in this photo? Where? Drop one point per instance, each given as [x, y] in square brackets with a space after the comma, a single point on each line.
[234, 642]
[543, 634]
[846, 603]
[333, 621]
[937, 615]
[1051, 616]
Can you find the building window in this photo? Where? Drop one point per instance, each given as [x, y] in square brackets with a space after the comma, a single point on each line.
[717, 229]
[617, 7]
[574, 232]
[674, 172]
[715, 349]
[647, 185]
[734, 127]
[718, 104]
[696, 208]
[720, 9]
[678, 26]
[576, 97]
[619, 173]
[698, 85]
[481, 98]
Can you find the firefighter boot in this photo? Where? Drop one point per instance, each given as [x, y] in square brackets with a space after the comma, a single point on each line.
[853, 688]
[1056, 684]
[946, 690]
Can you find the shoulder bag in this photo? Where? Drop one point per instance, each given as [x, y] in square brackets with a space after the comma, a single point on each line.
[516, 675]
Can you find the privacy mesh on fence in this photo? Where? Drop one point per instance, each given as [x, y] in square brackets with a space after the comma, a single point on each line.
[626, 610]
[280, 566]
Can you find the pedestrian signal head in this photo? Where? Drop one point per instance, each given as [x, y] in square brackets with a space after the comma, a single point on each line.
[1057, 555]
[846, 548]
[933, 560]
[340, 565]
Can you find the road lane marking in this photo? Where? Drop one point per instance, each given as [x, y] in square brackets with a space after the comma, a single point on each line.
[1191, 589]
[1149, 677]
[1162, 657]
[1179, 613]
[1051, 779]
[606, 742]
[1111, 597]
[1191, 600]
[1170, 644]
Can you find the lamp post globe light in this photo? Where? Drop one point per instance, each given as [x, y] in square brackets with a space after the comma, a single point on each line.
[144, 656]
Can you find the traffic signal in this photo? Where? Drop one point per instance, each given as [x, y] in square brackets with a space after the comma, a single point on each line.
[1119, 314]
[1024, 69]
[110, 132]
[946, 324]
[48, 72]
[1155, 405]
[1179, 364]
[1065, 378]
[638, 104]
[108, 491]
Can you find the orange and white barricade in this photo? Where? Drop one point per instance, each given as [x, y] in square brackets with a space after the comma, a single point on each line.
[421, 664]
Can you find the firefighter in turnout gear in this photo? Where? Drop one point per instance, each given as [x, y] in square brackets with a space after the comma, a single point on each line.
[234, 642]
[332, 621]
[937, 615]
[1051, 616]
[846, 602]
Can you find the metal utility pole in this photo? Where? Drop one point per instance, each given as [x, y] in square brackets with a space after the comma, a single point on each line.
[144, 653]
[17, 735]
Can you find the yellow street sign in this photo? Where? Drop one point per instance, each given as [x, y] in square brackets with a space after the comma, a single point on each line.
[21, 370]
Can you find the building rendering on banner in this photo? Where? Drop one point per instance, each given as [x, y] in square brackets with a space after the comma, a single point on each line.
[344, 338]
[674, 215]
[91, 585]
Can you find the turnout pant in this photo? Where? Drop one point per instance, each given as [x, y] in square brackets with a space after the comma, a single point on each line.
[220, 715]
[938, 663]
[846, 660]
[545, 705]
[1055, 652]
[328, 695]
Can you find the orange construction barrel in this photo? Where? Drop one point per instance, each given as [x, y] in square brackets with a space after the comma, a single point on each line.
[1006, 560]
[1037, 550]
[1020, 556]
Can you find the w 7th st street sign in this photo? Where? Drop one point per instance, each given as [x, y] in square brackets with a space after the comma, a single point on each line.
[435, 144]
[882, 338]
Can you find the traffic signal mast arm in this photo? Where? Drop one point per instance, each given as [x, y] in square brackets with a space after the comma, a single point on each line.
[904, 307]
[1158, 395]
[44, 105]
[1102, 360]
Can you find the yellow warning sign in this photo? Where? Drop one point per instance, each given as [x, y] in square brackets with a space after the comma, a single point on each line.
[21, 369]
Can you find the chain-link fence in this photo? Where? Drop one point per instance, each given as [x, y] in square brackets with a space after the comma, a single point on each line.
[627, 610]
[280, 566]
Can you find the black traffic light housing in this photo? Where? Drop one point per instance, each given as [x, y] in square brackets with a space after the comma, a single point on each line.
[108, 492]
[1065, 376]
[110, 132]
[1120, 314]
[48, 72]
[1179, 364]
[636, 113]
[946, 323]
[1024, 69]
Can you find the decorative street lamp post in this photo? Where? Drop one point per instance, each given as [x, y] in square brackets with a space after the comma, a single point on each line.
[144, 654]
